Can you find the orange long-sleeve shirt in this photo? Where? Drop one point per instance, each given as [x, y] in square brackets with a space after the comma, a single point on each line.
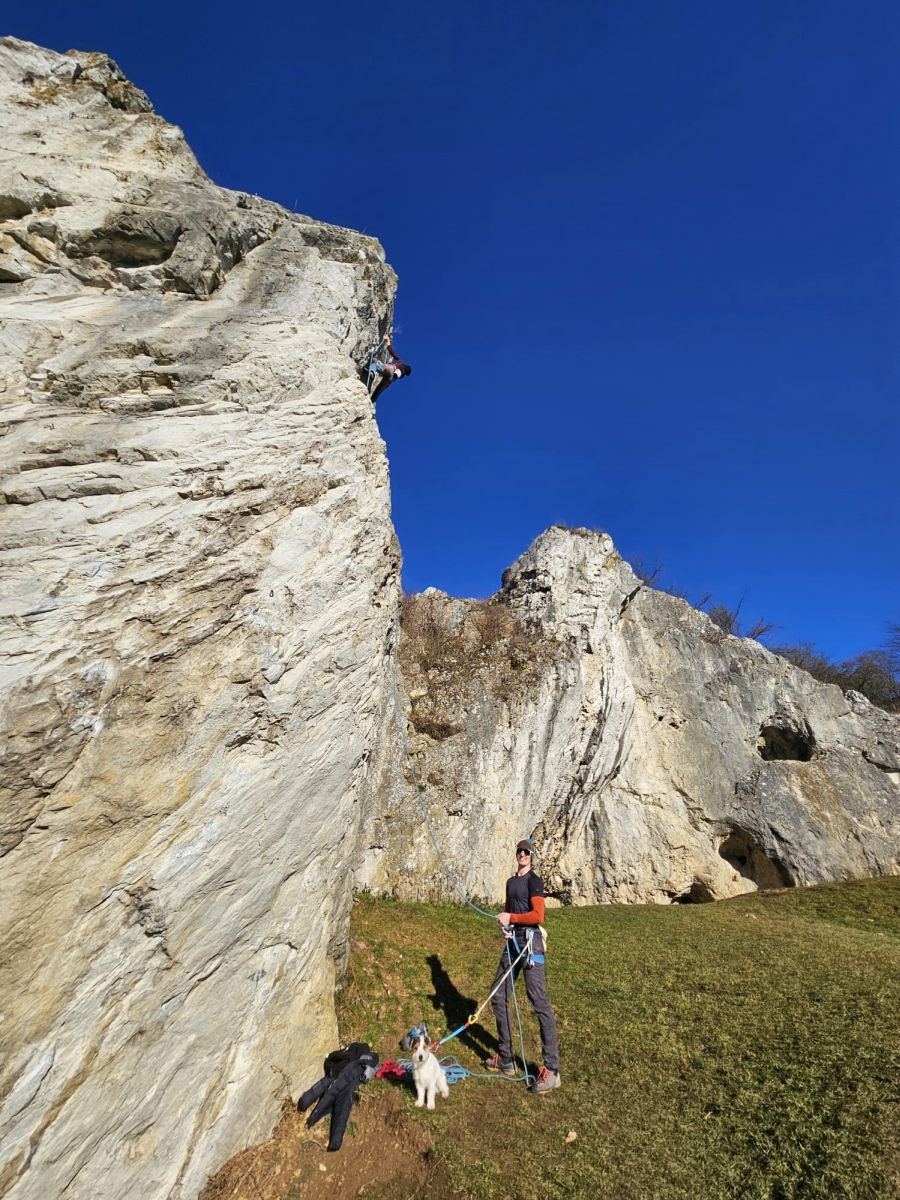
[535, 916]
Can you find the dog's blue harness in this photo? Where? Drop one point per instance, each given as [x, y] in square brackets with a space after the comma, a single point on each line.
[417, 1031]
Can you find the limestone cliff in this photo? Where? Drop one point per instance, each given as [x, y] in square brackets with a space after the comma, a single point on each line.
[199, 588]
[653, 757]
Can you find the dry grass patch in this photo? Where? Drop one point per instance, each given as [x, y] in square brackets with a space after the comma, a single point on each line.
[450, 649]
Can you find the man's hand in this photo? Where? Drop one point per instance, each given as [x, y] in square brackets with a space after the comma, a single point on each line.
[503, 919]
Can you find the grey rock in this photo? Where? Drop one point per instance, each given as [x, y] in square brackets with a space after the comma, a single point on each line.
[654, 758]
[192, 677]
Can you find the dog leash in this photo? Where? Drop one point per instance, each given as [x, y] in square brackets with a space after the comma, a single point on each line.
[478, 1011]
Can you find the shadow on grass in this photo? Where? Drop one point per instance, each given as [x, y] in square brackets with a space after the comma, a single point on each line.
[457, 1009]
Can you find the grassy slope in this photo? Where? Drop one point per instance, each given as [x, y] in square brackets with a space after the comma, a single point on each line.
[741, 1049]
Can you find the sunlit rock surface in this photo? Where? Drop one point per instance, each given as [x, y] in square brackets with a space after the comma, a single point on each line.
[653, 757]
[199, 582]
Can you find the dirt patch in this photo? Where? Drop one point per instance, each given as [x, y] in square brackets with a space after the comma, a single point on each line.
[384, 1154]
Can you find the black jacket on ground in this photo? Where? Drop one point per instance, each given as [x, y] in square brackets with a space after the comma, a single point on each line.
[345, 1070]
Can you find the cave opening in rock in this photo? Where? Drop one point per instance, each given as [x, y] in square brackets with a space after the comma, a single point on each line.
[742, 852]
[783, 741]
[698, 893]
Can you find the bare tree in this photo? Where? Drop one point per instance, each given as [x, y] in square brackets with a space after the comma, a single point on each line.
[726, 618]
[892, 646]
[873, 672]
[646, 574]
[760, 628]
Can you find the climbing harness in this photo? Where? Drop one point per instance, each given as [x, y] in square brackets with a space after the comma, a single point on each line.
[530, 957]
[526, 1075]
[529, 931]
[370, 369]
[376, 363]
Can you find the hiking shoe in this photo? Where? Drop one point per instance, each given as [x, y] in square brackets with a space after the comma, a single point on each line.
[546, 1081]
[495, 1063]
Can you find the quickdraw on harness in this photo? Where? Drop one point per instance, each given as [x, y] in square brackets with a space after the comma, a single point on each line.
[515, 932]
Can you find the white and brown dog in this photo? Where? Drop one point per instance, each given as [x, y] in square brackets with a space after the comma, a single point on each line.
[428, 1074]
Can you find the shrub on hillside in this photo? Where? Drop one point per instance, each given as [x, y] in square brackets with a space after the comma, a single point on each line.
[465, 640]
[426, 640]
[873, 673]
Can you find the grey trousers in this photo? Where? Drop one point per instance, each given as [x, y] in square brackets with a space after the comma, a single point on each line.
[536, 989]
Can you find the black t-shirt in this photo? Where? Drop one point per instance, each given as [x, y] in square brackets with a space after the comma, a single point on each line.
[519, 891]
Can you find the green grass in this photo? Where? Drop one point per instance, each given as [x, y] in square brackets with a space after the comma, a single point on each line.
[742, 1049]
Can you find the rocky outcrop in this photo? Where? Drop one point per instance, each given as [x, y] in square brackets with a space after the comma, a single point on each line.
[199, 590]
[653, 757]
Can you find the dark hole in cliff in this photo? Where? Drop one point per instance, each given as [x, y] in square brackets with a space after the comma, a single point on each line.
[784, 742]
[741, 851]
[123, 249]
[130, 240]
[434, 727]
[697, 893]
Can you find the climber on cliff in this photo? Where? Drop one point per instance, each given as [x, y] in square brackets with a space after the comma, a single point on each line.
[393, 367]
[522, 925]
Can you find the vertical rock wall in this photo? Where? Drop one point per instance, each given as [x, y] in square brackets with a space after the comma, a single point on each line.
[199, 588]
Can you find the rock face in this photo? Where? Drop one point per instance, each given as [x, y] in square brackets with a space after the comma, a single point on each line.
[199, 590]
[653, 757]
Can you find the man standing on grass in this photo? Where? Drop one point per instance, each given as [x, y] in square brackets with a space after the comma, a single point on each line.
[523, 918]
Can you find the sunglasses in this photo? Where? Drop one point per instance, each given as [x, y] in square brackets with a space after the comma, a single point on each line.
[518, 852]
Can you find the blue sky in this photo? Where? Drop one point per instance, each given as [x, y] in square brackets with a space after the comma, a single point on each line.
[648, 257]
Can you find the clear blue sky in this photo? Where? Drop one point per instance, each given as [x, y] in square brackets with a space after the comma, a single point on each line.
[648, 256]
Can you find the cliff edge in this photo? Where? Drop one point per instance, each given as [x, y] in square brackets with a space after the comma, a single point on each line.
[199, 587]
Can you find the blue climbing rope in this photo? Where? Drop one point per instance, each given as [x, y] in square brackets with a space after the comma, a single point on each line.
[452, 1068]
